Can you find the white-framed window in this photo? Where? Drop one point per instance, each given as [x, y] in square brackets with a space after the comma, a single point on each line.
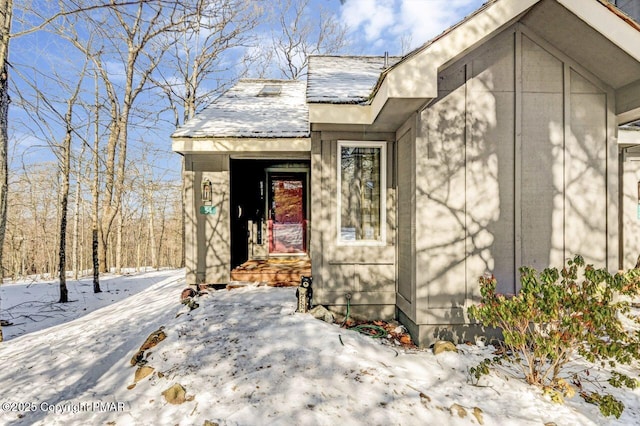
[362, 192]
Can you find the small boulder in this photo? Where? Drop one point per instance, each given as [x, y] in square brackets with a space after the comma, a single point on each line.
[210, 423]
[443, 346]
[458, 410]
[176, 394]
[477, 413]
[142, 372]
[153, 339]
[322, 313]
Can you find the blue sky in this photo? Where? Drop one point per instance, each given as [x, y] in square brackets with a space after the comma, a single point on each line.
[374, 27]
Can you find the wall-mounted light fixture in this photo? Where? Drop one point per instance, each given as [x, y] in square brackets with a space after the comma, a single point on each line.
[206, 191]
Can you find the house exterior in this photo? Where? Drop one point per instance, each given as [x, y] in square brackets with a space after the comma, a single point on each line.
[490, 147]
[629, 144]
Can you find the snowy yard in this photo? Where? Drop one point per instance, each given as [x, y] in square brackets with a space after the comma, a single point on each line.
[244, 358]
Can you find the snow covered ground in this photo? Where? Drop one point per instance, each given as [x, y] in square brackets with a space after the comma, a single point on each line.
[245, 358]
[31, 305]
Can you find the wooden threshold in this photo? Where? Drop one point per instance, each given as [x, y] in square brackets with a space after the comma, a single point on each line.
[276, 272]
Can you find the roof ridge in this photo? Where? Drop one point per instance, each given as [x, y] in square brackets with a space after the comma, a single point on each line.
[355, 56]
[268, 80]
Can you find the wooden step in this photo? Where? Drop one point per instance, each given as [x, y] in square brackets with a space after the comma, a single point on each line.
[274, 272]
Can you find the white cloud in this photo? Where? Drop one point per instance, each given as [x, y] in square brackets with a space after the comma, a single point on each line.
[372, 17]
[390, 20]
[425, 19]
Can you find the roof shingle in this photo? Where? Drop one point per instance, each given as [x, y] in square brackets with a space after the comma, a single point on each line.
[344, 79]
[242, 113]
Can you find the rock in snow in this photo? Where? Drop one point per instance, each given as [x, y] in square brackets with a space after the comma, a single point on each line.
[443, 346]
[175, 394]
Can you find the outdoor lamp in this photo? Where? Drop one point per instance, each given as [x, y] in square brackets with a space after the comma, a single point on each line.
[206, 190]
[304, 293]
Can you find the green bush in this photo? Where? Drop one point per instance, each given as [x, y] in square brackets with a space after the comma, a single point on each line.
[558, 314]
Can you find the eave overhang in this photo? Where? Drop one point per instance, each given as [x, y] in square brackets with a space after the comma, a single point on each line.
[415, 77]
[230, 145]
[624, 33]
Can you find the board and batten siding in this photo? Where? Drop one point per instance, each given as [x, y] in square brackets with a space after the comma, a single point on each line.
[207, 236]
[406, 154]
[366, 272]
[515, 165]
[630, 208]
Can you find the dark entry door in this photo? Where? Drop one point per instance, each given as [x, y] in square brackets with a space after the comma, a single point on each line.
[287, 218]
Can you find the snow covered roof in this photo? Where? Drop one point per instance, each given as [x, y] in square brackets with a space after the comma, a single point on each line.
[253, 109]
[344, 79]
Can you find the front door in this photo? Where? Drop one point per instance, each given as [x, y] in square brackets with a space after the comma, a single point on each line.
[287, 213]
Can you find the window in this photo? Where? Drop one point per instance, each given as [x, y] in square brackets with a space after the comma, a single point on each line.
[361, 192]
[271, 90]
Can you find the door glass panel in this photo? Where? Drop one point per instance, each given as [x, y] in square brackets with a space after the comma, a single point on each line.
[287, 221]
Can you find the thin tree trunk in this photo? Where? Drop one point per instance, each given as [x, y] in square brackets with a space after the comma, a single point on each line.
[94, 195]
[64, 294]
[4, 171]
[5, 28]
[64, 202]
[76, 219]
[64, 193]
[23, 257]
[96, 263]
[183, 217]
[138, 254]
[152, 234]
[119, 243]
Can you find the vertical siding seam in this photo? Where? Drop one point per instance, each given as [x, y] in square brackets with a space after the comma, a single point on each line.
[607, 183]
[413, 212]
[517, 205]
[465, 165]
[617, 180]
[566, 112]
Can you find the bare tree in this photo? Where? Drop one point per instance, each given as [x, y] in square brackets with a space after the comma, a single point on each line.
[75, 238]
[302, 35]
[95, 204]
[132, 33]
[47, 112]
[198, 63]
[64, 196]
[6, 9]
[6, 16]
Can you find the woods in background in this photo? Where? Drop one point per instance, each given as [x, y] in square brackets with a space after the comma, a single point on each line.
[95, 89]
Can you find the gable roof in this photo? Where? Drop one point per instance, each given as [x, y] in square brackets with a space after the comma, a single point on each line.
[247, 110]
[383, 92]
[612, 8]
[605, 36]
